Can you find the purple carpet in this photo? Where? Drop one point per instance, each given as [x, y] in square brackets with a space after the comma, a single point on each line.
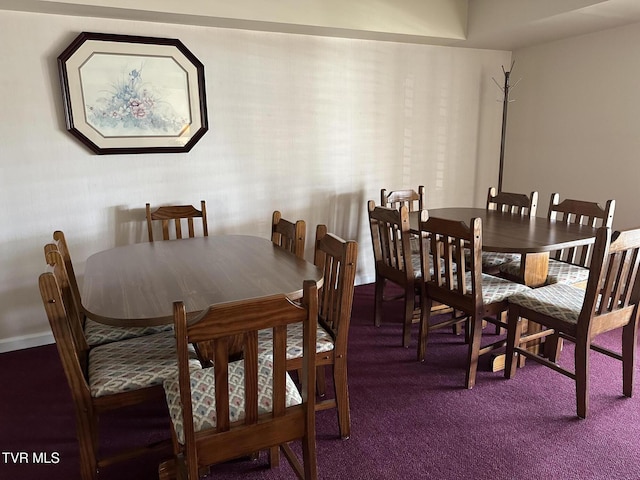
[409, 420]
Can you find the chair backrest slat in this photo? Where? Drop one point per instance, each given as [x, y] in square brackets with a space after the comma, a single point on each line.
[582, 213]
[291, 236]
[414, 201]
[279, 368]
[446, 241]
[515, 203]
[174, 215]
[613, 287]
[390, 233]
[337, 258]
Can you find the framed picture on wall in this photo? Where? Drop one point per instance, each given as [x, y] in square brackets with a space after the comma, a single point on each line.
[128, 94]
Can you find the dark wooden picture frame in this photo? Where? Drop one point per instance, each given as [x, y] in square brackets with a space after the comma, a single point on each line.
[128, 94]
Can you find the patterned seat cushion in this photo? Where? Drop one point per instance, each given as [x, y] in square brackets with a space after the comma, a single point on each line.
[491, 260]
[494, 259]
[98, 333]
[495, 289]
[559, 272]
[203, 395]
[559, 301]
[133, 364]
[414, 241]
[416, 263]
[563, 272]
[511, 268]
[324, 342]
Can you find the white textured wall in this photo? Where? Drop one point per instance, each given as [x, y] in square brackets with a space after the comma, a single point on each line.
[309, 125]
[574, 126]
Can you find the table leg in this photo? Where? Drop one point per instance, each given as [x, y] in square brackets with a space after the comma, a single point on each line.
[534, 268]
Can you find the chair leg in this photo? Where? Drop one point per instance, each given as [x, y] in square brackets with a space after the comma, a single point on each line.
[582, 376]
[514, 332]
[377, 301]
[341, 391]
[88, 445]
[409, 305]
[321, 386]
[274, 456]
[309, 455]
[167, 470]
[423, 334]
[629, 346]
[182, 468]
[467, 330]
[474, 350]
[499, 329]
[457, 328]
[553, 347]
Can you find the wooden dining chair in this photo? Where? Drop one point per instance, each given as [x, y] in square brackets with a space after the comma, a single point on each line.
[175, 214]
[510, 203]
[337, 258]
[609, 302]
[95, 333]
[414, 201]
[288, 235]
[571, 265]
[390, 235]
[106, 377]
[467, 290]
[236, 408]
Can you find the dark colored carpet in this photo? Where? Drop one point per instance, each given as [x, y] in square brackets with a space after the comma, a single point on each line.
[409, 420]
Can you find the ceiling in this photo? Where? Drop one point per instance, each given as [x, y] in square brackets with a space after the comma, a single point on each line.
[490, 24]
[514, 24]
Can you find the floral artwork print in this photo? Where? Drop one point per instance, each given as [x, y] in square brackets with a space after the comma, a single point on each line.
[134, 96]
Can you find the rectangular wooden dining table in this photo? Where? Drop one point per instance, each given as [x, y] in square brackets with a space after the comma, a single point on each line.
[136, 285]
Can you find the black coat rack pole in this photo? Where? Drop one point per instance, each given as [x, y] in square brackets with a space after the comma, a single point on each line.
[505, 104]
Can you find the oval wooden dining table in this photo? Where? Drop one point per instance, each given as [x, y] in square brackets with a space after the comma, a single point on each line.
[136, 285]
[533, 238]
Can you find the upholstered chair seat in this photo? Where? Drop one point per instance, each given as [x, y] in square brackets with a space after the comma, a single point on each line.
[559, 301]
[99, 334]
[324, 341]
[559, 272]
[496, 289]
[417, 270]
[495, 259]
[133, 364]
[563, 272]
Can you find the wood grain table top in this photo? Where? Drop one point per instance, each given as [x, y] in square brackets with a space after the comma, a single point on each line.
[507, 233]
[136, 285]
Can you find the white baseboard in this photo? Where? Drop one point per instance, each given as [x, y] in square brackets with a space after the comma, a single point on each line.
[26, 341]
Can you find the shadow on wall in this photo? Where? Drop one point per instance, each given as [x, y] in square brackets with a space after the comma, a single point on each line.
[343, 214]
[130, 225]
[346, 212]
